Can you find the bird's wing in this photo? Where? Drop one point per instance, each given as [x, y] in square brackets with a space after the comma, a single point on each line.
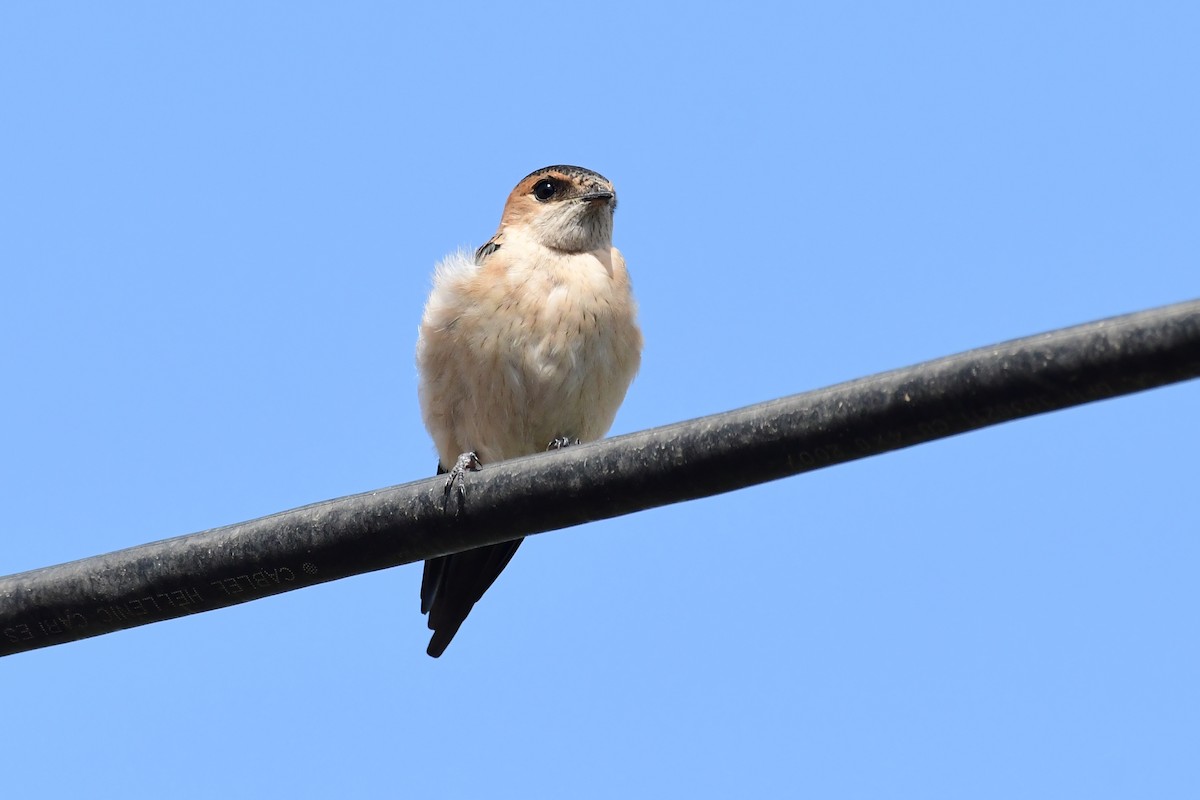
[487, 248]
[452, 585]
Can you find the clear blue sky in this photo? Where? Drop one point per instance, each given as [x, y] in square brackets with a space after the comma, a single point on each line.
[217, 226]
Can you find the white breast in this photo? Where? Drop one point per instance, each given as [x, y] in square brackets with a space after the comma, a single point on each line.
[516, 354]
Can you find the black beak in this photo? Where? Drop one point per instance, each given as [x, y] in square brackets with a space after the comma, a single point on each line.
[593, 196]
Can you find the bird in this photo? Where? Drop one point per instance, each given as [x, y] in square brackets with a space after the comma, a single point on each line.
[529, 344]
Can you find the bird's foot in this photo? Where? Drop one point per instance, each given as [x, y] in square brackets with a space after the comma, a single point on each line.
[467, 462]
[561, 442]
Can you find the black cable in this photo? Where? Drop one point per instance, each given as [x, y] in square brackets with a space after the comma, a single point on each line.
[415, 521]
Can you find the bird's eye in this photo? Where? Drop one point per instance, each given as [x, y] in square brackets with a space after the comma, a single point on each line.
[544, 190]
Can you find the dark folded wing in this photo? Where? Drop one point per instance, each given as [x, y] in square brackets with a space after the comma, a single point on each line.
[451, 585]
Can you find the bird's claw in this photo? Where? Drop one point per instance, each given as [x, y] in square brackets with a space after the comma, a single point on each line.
[561, 442]
[466, 462]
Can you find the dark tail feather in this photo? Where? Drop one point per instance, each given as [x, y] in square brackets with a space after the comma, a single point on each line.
[441, 640]
[453, 584]
[431, 581]
[435, 570]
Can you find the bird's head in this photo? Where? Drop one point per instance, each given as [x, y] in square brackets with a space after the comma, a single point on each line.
[564, 208]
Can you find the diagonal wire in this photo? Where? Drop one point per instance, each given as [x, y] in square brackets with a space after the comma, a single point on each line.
[398, 525]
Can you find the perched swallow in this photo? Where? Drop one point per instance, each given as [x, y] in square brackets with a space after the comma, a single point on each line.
[530, 344]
